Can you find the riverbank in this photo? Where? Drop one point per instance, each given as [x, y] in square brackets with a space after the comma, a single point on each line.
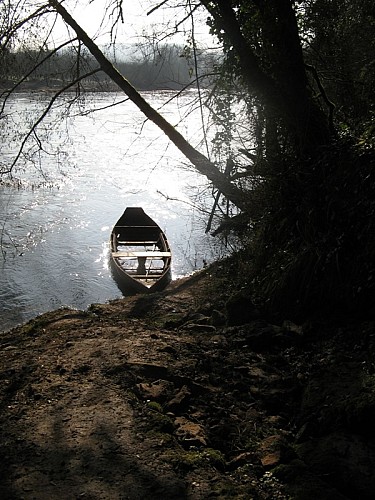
[189, 393]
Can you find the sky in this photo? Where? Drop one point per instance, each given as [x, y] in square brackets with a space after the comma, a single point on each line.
[89, 14]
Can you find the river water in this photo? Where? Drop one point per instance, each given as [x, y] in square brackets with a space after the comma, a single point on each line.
[55, 225]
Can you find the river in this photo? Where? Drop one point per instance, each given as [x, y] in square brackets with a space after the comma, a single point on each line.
[55, 224]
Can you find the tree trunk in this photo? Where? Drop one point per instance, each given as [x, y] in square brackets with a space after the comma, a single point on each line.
[283, 87]
[201, 163]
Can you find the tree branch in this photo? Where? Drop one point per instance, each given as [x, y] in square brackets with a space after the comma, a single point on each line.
[226, 18]
[8, 35]
[329, 103]
[201, 163]
[285, 91]
[44, 114]
[7, 93]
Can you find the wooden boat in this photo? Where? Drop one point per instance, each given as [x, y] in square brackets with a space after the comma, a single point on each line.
[139, 253]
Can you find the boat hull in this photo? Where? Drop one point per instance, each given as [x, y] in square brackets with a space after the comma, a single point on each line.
[140, 256]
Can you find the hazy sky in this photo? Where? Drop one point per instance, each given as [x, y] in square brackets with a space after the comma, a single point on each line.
[89, 14]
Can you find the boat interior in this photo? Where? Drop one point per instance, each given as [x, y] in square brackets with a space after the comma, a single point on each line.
[142, 252]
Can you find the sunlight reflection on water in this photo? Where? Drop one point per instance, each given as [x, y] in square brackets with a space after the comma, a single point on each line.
[55, 239]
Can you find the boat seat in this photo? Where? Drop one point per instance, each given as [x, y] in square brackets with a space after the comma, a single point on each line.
[154, 242]
[136, 254]
[146, 276]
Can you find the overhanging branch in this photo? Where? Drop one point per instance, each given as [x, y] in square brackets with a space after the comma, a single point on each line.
[44, 114]
[201, 163]
[8, 92]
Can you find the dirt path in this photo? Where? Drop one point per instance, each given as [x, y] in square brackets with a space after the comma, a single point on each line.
[152, 398]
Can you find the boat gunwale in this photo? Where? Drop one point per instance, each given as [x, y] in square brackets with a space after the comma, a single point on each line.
[125, 281]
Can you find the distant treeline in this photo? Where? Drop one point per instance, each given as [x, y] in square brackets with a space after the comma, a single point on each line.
[164, 67]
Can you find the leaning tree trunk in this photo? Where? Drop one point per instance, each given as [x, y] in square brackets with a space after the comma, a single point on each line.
[201, 163]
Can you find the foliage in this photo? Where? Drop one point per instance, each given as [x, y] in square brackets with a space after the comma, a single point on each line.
[343, 52]
[309, 209]
[52, 69]
[313, 246]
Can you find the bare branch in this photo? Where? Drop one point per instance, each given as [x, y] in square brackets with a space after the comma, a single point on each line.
[101, 108]
[157, 7]
[201, 163]
[44, 114]
[323, 93]
[8, 36]
[7, 93]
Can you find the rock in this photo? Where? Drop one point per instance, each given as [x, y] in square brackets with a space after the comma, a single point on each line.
[240, 460]
[270, 460]
[272, 450]
[179, 401]
[190, 433]
[155, 391]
